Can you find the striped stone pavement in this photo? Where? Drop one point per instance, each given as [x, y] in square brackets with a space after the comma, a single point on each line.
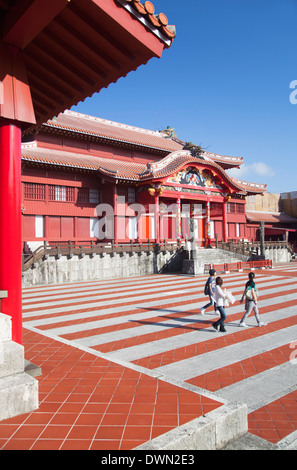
[152, 325]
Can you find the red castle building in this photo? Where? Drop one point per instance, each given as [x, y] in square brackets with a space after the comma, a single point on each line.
[86, 178]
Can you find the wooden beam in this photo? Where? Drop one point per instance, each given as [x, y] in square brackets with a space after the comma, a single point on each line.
[15, 96]
[28, 18]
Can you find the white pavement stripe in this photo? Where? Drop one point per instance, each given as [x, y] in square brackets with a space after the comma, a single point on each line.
[157, 326]
[263, 388]
[204, 363]
[76, 294]
[72, 287]
[83, 315]
[119, 286]
[159, 346]
[133, 298]
[91, 305]
[56, 289]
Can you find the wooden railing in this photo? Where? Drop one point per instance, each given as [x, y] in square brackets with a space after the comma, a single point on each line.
[239, 266]
[251, 248]
[71, 248]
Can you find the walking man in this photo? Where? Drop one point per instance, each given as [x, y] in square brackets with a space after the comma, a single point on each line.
[209, 290]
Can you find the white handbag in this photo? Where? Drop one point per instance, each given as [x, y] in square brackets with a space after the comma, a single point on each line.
[249, 295]
[230, 297]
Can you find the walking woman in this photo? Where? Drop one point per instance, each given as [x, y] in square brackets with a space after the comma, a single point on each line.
[250, 294]
[220, 296]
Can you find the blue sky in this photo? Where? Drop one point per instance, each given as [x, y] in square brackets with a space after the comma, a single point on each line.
[224, 84]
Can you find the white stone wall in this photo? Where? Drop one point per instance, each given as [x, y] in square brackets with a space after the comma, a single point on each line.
[278, 255]
[86, 268]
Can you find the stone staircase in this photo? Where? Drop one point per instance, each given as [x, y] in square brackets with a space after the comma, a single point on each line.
[18, 390]
[206, 257]
[219, 256]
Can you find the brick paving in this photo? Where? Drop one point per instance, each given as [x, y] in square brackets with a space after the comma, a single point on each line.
[111, 352]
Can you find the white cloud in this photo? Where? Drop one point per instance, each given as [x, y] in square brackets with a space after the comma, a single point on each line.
[248, 171]
[262, 169]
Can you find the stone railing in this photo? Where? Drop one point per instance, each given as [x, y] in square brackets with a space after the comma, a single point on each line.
[69, 249]
[253, 248]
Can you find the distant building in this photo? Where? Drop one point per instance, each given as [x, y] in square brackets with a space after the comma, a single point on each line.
[278, 212]
[77, 167]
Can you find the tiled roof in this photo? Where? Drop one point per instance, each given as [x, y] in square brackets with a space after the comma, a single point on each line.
[270, 217]
[109, 167]
[129, 170]
[224, 160]
[96, 127]
[176, 160]
[146, 14]
[102, 128]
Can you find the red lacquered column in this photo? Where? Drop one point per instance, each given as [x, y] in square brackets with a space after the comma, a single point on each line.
[10, 224]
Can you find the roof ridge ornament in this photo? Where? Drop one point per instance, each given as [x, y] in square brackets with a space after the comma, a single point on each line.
[195, 150]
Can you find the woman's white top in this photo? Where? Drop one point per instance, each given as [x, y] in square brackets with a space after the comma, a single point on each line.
[219, 296]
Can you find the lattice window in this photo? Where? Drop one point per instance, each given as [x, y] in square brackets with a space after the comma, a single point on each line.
[240, 208]
[88, 195]
[61, 193]
[231, 208]
[94, 196]
[131, 194]
[34, 191]
[83, 195]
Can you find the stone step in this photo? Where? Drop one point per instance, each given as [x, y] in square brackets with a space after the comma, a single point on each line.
[18, 395]
[11, 358]
[210, 432]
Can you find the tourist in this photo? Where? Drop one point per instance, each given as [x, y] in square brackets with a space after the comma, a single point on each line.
[250, 294]
[209, 290]
[220, 298]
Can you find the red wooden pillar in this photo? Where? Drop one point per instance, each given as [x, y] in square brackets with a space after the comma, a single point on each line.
[178, 219]
[10, 224]
[157, 219]
[115, 213]
[207, 223]
[16, 110]
[225, 221]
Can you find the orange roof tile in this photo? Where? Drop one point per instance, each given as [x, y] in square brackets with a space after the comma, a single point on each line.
[71, 121]
[102, 128]
[146, 11]
[110, 167]
[176, 160]
[127, 169]
[270, 217]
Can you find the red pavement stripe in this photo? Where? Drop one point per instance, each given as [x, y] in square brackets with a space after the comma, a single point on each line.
[282, 273]
[241, 370]
[185, 352]
[129, 342]
[137, 323]
[200, 297]
[91, 293]
[276, 420]
[47, 288]
[110, 315]
[133, 289]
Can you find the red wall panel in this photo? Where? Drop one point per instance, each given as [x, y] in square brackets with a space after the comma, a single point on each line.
[54, 228]
[83, 227]
[67, 227]
[28, 227]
